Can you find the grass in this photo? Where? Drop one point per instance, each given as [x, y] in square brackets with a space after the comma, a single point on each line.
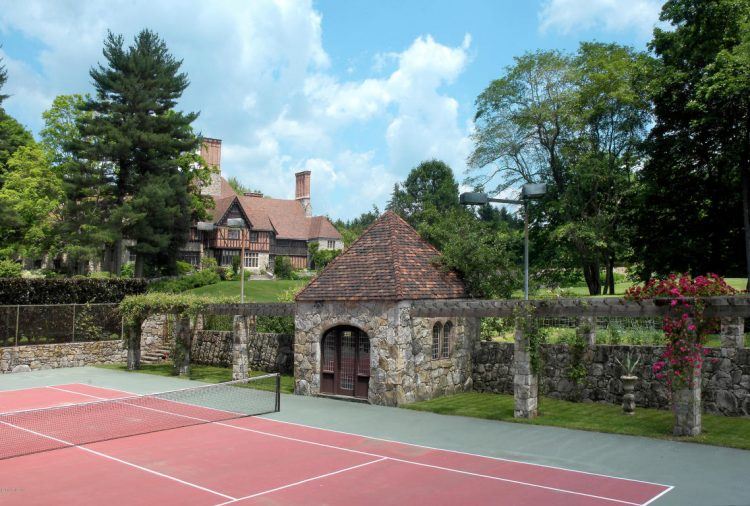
[620, 289]
[255, 290]
[199, 372]
[717, 430]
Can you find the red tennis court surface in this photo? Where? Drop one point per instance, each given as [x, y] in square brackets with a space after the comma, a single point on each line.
[260, 461]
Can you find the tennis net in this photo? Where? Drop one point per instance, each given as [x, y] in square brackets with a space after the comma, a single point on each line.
[38, 430]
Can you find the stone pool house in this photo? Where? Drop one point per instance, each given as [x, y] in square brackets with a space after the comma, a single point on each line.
[273, 227]
[355, 335]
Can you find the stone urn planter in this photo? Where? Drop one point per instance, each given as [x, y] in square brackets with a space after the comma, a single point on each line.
[628, 398]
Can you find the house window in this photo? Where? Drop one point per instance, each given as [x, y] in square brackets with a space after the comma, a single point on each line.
[331, 244]
[233, 233]
[254, 236]
[436, 331]
[226, 256]
[447, 336]
[251, 259]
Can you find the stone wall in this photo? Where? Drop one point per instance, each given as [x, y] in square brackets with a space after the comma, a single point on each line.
[725, 382]
[401, 366]
[212, 347]
[271, 352]
[266, 352]
[156, 334]
[53, 356]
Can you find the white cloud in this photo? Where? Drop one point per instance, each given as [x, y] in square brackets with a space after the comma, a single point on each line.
[262, 81]
[570, 16]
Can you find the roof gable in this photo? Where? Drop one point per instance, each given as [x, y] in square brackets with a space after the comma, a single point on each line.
[390, 261]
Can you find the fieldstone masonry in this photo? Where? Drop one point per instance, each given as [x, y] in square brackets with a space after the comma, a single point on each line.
[240, 358]
[525, 381]
[53, 356]
[725, 381]
[401, 366]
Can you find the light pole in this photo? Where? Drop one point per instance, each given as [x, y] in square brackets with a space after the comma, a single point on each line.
[240, 223]
[528, 191]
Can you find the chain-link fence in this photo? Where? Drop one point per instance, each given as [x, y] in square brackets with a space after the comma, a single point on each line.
[59, 323]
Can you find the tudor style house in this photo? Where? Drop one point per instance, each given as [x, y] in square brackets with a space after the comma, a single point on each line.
[273, 227]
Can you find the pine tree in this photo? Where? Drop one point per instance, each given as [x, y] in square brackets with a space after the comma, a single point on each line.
[136, 131]
[3, 80]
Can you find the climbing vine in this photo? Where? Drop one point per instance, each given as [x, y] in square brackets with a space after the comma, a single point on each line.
[685, 326]
[524, 317]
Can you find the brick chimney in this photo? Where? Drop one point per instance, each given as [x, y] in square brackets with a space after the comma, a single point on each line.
[302, 191]
[211, 153]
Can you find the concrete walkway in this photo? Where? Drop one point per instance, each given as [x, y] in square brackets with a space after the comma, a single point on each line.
[702, 475]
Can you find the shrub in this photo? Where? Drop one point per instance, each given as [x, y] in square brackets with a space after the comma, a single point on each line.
[195, 280]
[184, 268]
[67, 290]
[127, 270]
[236, 264]
[283, 268]
[10, 269]
[209, 263]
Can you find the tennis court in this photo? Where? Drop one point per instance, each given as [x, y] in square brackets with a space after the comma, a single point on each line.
[77, 443]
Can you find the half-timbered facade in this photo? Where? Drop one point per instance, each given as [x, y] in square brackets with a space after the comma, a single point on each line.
[273, 227]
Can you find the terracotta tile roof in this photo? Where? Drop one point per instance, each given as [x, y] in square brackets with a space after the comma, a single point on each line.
[390, 261]
[220, 207]
[321, 227]
[226, 189]
[285, 217]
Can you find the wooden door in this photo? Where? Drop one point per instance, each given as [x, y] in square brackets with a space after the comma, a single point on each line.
[345, 362]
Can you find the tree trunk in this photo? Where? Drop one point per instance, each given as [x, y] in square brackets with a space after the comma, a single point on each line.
[610, 282]
[591, 275]
[746, 220]
[138, 271]
[116, 265]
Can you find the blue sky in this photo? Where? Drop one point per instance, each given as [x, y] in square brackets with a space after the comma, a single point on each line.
[357, 92]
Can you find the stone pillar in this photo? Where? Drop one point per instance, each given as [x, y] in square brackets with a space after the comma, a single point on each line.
[133, 341]
[732, 332]
[587, 329]
[687, 409]
[240, 358]
[525, 382]
[182, 338]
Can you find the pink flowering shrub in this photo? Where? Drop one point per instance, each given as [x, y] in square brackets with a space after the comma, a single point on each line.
[685, 327]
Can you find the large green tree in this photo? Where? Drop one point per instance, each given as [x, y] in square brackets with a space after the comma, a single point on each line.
[430, 185]
[695, 177]
[33, 193]
[575, 122]
[147, 146]
[88, 187]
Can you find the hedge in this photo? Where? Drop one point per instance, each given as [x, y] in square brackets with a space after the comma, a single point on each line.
[67, 290]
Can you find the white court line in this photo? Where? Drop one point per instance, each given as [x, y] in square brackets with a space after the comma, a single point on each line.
[381, 457]
[110, 457]
[303, 481]
[459, 452]
[657, 496]
[470, 454]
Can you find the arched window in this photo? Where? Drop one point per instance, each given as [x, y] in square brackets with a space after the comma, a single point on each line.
[436, 331]
[447, 337]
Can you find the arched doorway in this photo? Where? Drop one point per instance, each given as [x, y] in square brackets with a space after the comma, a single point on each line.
[345, 362]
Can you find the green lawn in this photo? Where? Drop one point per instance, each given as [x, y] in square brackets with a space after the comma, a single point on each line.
[620, 289]
[198, 372]
[255, 291]
[717, 430]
